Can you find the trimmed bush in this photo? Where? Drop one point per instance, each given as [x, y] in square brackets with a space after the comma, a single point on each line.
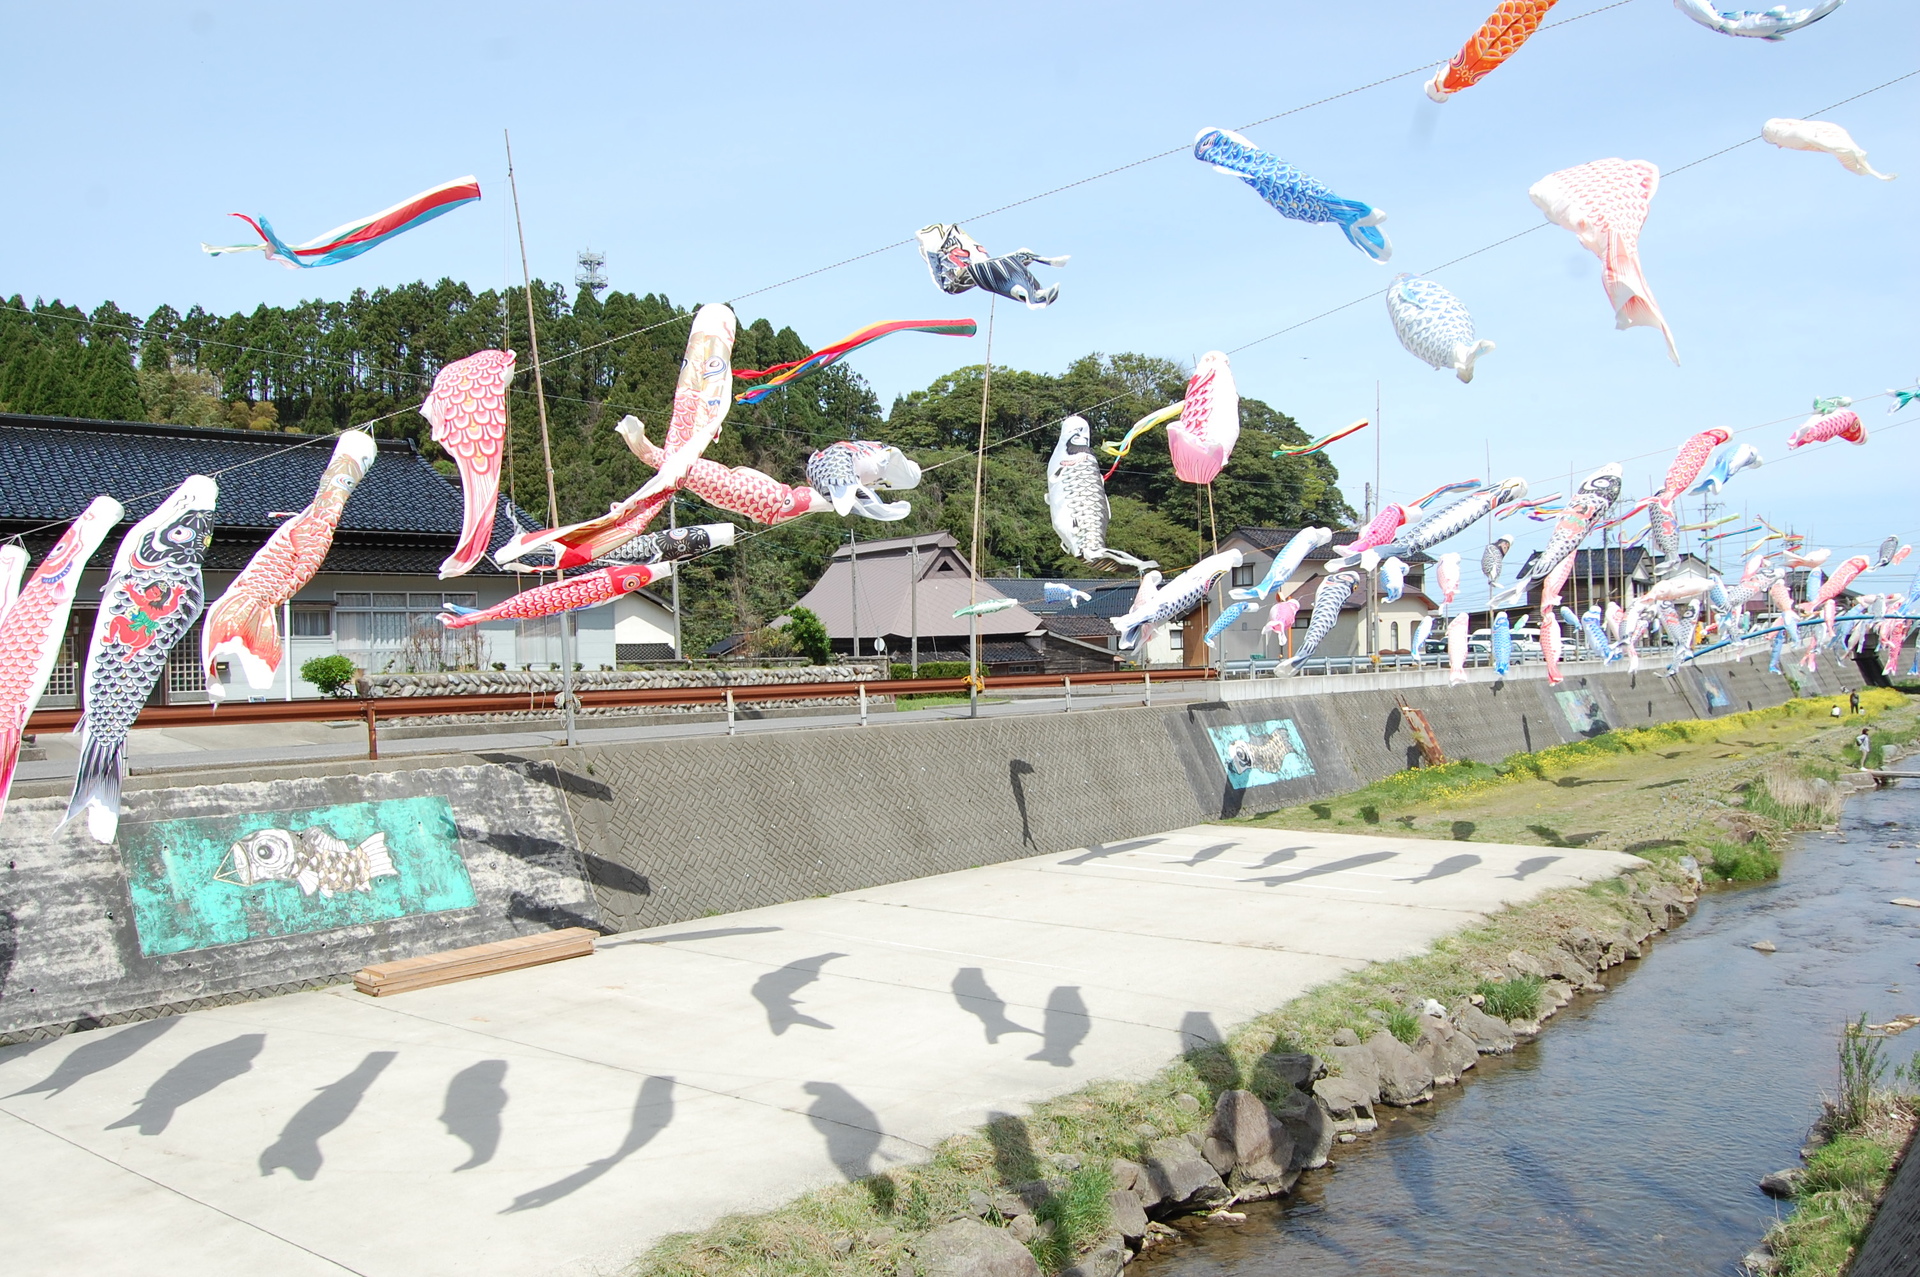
[333, 675]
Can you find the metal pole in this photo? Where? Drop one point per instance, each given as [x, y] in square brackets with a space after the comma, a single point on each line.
[729, 711]
[863, 704]
[853, 589]
[286, 628]
[1148, 675]
[546, 442]
[1068, 680]
[913, 605]
[673, 522]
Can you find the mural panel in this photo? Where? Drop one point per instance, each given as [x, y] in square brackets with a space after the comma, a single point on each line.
[1582, 711]
[1717, 696]
[199, 882]
[1261, 753]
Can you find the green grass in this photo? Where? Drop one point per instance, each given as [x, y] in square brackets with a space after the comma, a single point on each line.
[1404, 1024]
[1742, 862]
[1079, 1216]
[1515, 999]
[1852, 1162]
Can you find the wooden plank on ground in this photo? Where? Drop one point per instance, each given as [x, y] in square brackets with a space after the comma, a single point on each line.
[474, 961]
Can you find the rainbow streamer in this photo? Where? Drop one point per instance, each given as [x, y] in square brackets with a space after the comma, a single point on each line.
[1442, 491]
[1307, 449]
[343, 243]
[1737, 532]
[1514, 507]
[1616, 522]
[794, 370]
[1158, 417]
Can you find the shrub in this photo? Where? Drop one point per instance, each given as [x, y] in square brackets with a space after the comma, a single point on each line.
[333, 675]
[931, 669]
[1515, 999]
[1404, 1024]
[1861, 1072]
[1748, 862]
[806, 632]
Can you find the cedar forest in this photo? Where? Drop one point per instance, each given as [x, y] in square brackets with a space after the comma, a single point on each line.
[323, 366]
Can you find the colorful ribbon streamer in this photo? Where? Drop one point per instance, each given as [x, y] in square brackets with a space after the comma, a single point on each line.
[343, 243]
[1308, 449]
[794, 370]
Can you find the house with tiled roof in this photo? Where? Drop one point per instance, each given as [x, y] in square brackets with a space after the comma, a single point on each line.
[899, 594]
[375, 598]
[1393, 624]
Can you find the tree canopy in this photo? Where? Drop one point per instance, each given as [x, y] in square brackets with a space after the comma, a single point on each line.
[322, 366]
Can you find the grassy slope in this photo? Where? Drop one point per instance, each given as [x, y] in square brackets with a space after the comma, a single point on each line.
[1655, 791]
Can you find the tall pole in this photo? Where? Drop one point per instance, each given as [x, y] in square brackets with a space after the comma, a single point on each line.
[673, 522]
[973, 565]
[913, 604]
[853, 587]
[546, 446]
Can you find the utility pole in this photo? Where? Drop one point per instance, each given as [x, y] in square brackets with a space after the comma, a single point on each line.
[853, 588]
[913, 604]
[673, 523]
[546, 447]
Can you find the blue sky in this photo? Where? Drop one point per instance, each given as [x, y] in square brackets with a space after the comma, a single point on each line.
[712, 151]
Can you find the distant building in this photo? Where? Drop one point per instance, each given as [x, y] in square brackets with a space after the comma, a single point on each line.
[908, 589]
[1092, 621]
[1393, 623]
[376, 598]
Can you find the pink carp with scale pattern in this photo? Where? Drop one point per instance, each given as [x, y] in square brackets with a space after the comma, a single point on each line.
[467, 410]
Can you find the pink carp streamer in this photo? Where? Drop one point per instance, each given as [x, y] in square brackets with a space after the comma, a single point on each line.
[1499, 38]
[1378, 532]
[1550, 644]
[1605, 205]
[34, 625]
[1687, 465]
[738, 489]
[701, 396]
[569, 595]
[1202, 439]
[1842, 577]
[1844, 424]
[241, 626]
[467, 410]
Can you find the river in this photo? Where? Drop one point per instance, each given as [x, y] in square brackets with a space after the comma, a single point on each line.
[1631, 1136]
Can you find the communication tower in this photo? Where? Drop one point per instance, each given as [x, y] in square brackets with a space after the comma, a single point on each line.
[590, 276]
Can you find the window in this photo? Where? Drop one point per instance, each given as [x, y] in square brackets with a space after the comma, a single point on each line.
[312, 622]
[376, 628]
[1396, 636]
[1243, 575]
[185, 674]
[1177, 637]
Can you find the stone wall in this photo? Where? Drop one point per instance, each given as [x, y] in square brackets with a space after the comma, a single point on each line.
[549, 682]
[645, 833]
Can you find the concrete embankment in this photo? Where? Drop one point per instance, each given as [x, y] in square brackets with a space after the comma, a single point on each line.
[622, 836]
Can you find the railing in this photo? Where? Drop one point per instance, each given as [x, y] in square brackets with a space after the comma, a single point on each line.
[372, 709]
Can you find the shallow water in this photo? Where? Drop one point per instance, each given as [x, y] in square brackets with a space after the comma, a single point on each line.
[1632, 1135]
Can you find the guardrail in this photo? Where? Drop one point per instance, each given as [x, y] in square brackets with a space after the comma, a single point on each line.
[372, 709]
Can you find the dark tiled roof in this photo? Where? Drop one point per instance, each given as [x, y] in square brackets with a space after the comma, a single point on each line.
[1275, 539]
[1611, 562]
[1031, 591]
[1002, 652]
[1077, 626]
[55, 465]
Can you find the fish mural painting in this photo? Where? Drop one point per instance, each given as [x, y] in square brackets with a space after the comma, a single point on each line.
[312, 859]
[202, 881]
[153, 595]
[1261, 753]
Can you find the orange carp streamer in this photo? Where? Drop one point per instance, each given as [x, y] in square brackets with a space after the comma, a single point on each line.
[1498, 39]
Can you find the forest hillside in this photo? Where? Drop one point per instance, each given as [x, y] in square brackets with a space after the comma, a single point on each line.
[322, 366]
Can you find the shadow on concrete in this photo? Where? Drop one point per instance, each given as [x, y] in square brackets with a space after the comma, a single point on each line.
[1016, 770]
[776, 988]
[1063, 1027]
[1331, 867]
[298, 1148]
[524, 907]
[715, 933]
[9, 946]
[97, 1054]
[652, 1112]
[977, 998]
[1448, 867]
[471, 1113]
[1096, 851]
[851, 1129]
[547, 774]
[205, 1070]
[1208, 853]
[1279, 856]
[1531, 866]
[1204, 1048]
[614, 876]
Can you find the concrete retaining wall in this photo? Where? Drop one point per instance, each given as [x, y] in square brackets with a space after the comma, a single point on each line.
[643, 834]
